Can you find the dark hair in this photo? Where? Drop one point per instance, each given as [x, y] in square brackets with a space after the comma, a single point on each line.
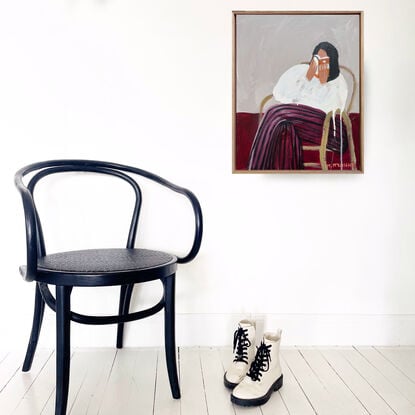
[333, 54]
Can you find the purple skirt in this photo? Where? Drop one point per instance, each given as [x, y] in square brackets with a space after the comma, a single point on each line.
[284, 129]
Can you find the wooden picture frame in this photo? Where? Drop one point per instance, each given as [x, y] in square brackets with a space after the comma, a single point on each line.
[297, 92]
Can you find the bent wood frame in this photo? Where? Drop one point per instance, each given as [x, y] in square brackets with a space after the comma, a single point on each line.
[35, 243]
[360, 79]
[65, 281]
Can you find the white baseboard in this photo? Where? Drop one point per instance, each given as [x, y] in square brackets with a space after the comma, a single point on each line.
[217, 330]
[298, 329]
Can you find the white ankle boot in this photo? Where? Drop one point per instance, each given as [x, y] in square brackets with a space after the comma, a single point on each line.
[244, 353]
[264, 375]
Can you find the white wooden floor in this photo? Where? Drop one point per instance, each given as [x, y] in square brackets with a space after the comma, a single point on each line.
[332, 381]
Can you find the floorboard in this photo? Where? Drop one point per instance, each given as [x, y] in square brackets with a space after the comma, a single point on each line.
[127, 389]
[317, 381]
[380, 383]
[321, 400]
[217, 396]
[164, 404]
[292, 393]
[9, 366]
[193, 400]
[335, 386]
[19, 383]
[34, 401]
[398, 378]
[369, 398]
[402, 358]
[95, 375]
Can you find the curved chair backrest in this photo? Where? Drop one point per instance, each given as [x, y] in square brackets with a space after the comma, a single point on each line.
[34, 235]
[351, 95]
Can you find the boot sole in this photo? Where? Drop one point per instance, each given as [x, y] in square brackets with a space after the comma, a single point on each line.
[228, 384]
[262, 399]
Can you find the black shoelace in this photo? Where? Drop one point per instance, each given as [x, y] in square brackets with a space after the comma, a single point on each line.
[240, 345]
[261, 362]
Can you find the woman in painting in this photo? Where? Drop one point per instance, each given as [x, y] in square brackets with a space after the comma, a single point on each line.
[306, 93]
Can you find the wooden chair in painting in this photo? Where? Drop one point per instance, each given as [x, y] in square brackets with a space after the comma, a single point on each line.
[322, 148]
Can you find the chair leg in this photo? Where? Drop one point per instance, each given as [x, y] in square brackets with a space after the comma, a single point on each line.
[36, 326]
[169, 335]
[63, 320]
[125, 300]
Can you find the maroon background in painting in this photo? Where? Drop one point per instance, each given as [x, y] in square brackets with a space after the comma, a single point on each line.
[246, 127]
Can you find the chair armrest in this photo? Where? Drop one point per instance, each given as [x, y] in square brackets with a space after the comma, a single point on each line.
[262, 105]
[28, 271]
[197, 240]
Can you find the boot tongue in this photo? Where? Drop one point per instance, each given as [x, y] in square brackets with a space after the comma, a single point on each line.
[272, 338]
[269, 341]
[246, 324]
[250, 327]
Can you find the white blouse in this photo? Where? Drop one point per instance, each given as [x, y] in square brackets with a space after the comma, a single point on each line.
[294, 88]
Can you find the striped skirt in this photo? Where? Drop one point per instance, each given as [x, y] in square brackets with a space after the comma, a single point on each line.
[284, 129]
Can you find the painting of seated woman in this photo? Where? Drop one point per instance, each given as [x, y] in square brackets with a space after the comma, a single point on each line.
[297, 93]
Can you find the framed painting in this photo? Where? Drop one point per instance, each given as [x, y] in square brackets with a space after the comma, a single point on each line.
[297, 92]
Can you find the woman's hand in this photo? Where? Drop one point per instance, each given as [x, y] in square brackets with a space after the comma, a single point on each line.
[319, 68]
[311, 69]
[323, 71]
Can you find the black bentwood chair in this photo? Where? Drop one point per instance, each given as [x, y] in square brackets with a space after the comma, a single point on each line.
[97, 268]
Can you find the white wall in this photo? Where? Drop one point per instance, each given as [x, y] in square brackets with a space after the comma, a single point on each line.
[328, 258]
